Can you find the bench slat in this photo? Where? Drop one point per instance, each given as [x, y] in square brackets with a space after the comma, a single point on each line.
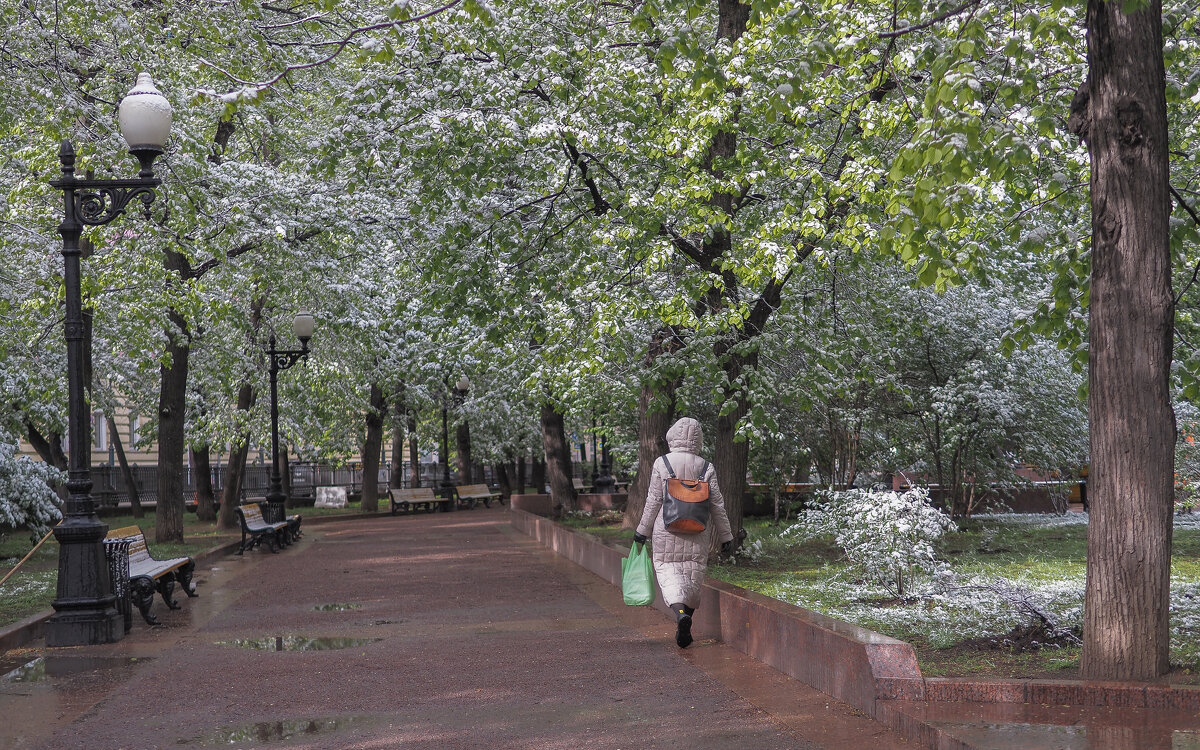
[419, 494]
[476, 490]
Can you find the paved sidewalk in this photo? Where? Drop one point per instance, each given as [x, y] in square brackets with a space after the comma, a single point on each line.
[425, 631]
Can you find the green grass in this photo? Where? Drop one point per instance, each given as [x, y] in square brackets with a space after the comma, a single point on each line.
[815, 575]
[31, 589]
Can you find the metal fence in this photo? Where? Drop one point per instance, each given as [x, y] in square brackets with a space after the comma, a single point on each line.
[109, 487]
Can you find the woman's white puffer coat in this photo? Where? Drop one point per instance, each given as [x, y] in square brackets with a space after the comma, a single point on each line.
[680, 560]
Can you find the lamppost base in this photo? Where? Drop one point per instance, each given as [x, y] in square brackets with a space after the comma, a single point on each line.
[88, 627]
[446, 489]
[85, 607]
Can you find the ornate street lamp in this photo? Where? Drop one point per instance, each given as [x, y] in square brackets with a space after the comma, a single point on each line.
[463, 432]
[605, 484]
[282, 359]
[84, 606]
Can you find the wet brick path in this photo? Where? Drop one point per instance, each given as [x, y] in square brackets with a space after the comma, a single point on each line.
[445, 630]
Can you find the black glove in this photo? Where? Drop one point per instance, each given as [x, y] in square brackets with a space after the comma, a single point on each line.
[639, 538]
[727, 548]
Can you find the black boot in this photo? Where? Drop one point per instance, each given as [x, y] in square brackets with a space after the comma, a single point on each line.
[683, 624]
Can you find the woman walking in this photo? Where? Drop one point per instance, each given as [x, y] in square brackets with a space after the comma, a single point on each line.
[681, 557]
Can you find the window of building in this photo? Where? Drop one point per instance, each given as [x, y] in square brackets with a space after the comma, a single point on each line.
[99, 431]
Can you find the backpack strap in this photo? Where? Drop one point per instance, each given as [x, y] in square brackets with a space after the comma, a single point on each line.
[670, 471]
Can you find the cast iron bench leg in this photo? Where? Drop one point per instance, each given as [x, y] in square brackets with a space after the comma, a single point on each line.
[184, 577]
[166, 587]
[141, 593]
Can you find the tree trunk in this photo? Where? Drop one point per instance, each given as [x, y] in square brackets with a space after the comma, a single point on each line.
[501, 472]
[414, 455]
[231, 492]
[462, 437]
[1122, 117]
[537, 476]
[371, 449]
[656, 410]
[520, 472]
[131, 491]
[558, 458]
[172, 405]
[49, 448]
[730, 458]
[202, 465]
[396, 477]
[235, 470]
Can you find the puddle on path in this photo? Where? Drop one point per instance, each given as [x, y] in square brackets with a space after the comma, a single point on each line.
[297, 643]
[336, 607]
[48, 667]
[1142, 735]
[271, 731]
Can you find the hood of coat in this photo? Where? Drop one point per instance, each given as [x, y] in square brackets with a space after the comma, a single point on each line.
[686, 436]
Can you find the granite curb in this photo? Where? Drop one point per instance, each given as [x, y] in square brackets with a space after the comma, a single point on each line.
[855, 662]
[872, 672]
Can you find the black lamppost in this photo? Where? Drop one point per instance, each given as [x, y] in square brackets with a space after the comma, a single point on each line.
[463, 432]
[84, 606]
[595, 468]
[605, 484]
[445, 456]
[282, 359]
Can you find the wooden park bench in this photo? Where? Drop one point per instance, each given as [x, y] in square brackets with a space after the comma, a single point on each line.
[475, 492]
[256, 529]
[147, 575]
[418, 497]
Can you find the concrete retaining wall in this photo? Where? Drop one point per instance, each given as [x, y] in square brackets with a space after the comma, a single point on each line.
[850, 663]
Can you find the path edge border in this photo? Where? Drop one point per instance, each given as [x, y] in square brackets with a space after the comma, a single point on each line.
[853, 664]
[875, 673]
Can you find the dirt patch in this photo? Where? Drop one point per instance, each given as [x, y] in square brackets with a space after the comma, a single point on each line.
[1022, 638]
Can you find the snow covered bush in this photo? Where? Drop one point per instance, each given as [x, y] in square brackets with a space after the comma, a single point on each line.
[887, 536]
[26, 500]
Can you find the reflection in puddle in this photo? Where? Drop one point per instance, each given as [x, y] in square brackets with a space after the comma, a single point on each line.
[297, 643]
[994, 735]
[45, 667]
[336, 607]
[1185, 739]
[271, 731]
[34, 671]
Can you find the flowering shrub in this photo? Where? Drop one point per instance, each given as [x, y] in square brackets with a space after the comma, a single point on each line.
[887, 536]
[26, 500]
[750, 552]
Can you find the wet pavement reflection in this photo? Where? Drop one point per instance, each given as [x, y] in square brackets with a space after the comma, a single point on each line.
[297, 643]
[1041, 727]
[272, 731]
[46, 667]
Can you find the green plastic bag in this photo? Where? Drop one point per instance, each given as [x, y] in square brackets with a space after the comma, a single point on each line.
[637, 576]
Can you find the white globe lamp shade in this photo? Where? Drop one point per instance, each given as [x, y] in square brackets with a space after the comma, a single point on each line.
[303, 325]
[145, 116]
